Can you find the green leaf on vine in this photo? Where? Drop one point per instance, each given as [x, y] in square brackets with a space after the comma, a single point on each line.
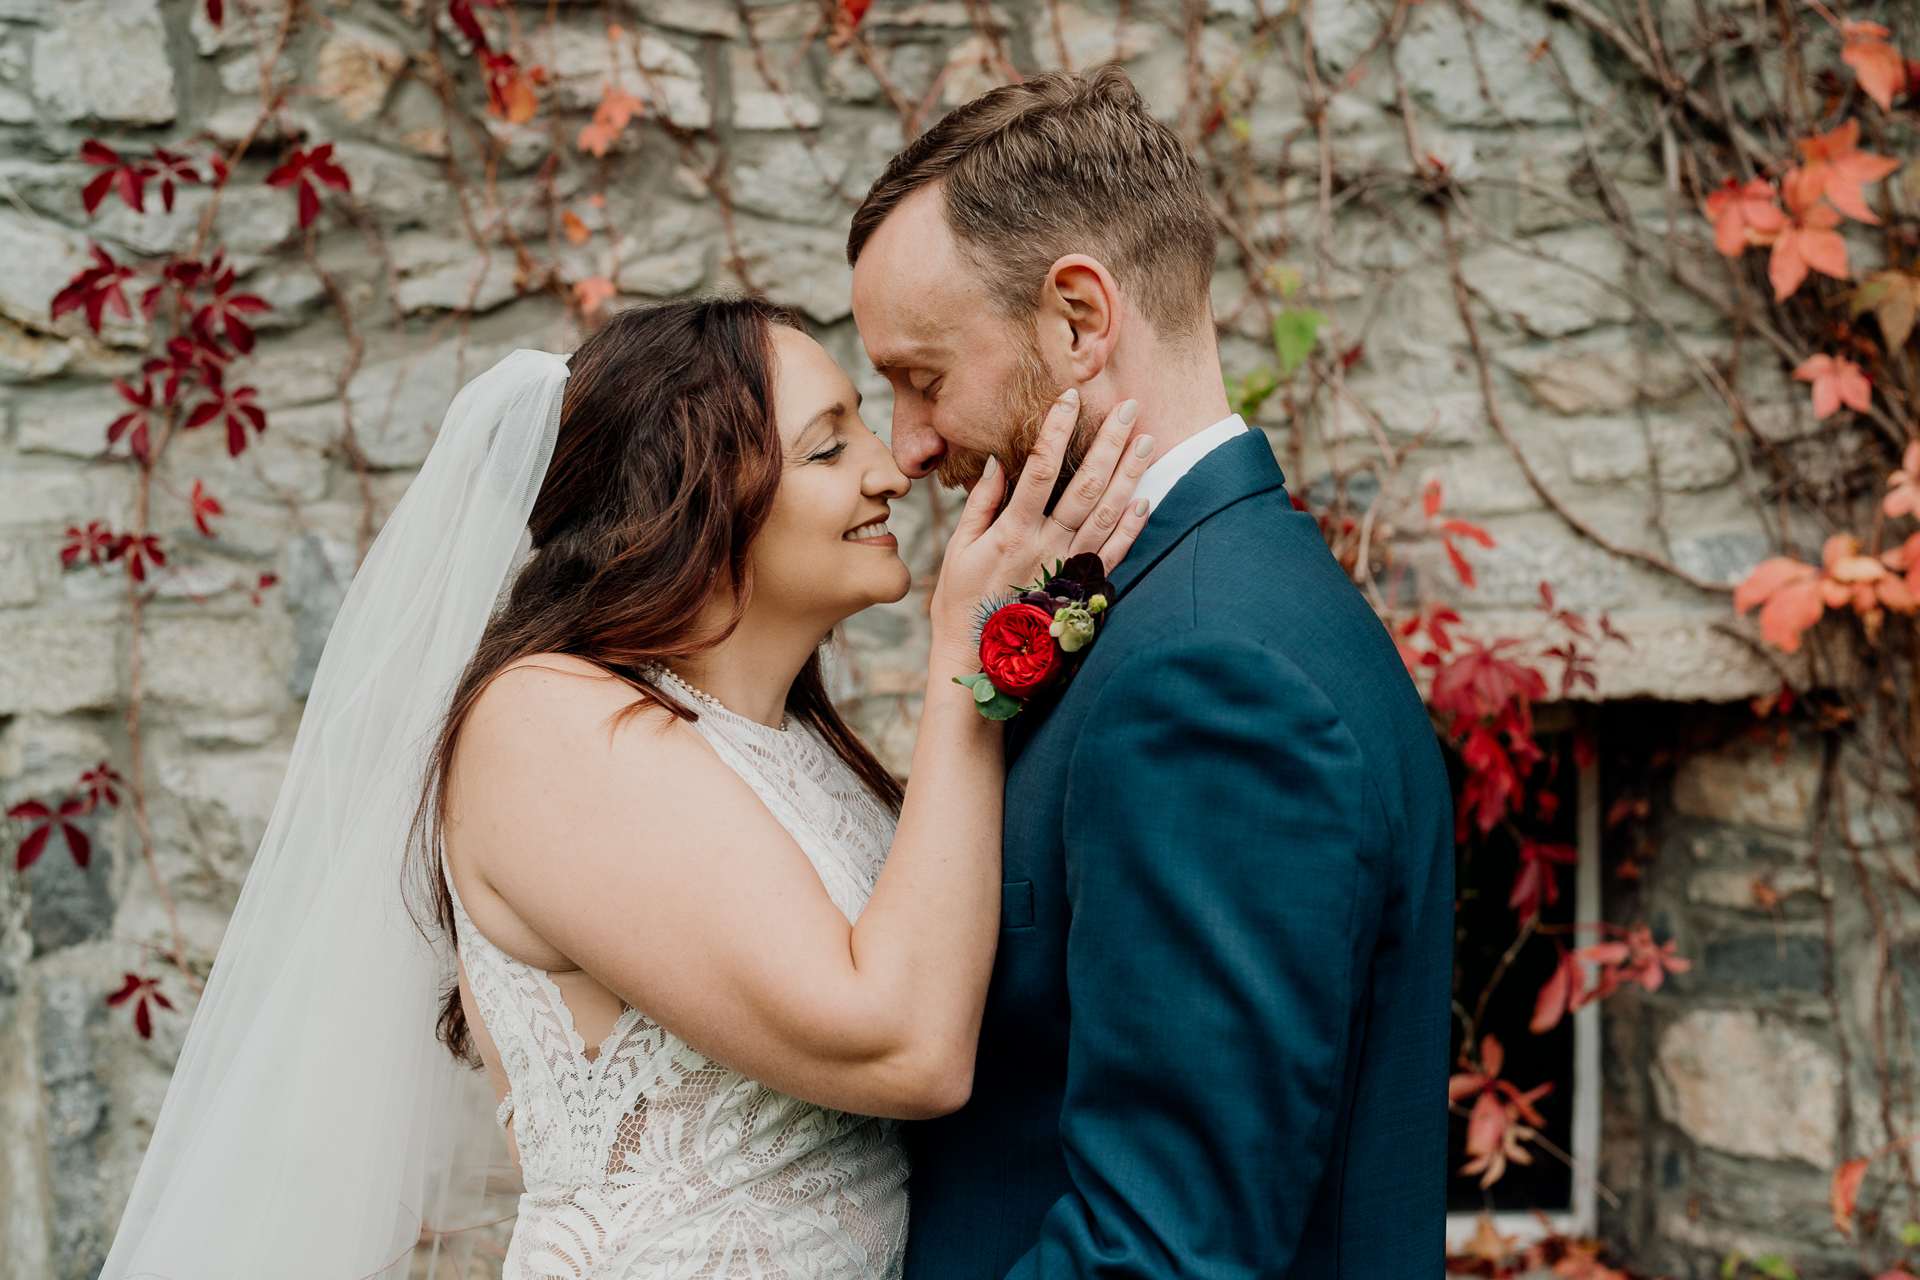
[1295, 332]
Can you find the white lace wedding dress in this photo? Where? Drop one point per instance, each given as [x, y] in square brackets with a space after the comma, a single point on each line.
[650, 1159]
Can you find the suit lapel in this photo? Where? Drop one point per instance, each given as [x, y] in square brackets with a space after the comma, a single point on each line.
[1237, 469]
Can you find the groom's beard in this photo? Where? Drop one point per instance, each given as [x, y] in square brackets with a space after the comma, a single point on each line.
[1032, 391]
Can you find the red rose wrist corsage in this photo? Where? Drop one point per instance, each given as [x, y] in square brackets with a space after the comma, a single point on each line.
[1035, 640]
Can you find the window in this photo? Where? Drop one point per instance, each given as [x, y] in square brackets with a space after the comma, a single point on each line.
[1569, 1055]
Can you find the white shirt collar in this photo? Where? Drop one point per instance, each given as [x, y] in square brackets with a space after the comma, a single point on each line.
[1171, 467]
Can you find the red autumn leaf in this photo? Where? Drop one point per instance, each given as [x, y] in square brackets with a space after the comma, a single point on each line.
[1585, 753]
[1844, 1191]
[226, 311]
[1494, 1128]
[138, 419]
[510, 92]
[1480, 683]
[217, 12]
[127, 177]
[1837, 168]
[1744, 215]
[461, 11]
[1472, 532]
[93, 544]
[1881, 69]
[1535, 885]
[266, 582]
[96, 786]
[94, 290]
[302, 169]
[847, 15]
[1557, 994]
[45, 821]
[139, 553]
[187, 360]
[1430, 498]
[1461, 565]
[237, 408]
[143, 992]
[1808, 242]
[1836, 381]
[1493, 785]
[203, 504]
[167, 169]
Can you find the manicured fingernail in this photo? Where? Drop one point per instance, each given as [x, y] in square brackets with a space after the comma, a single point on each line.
[1070, 396]
[1140, 507]
[992, 468]
[1144, 447]
[1127, 412]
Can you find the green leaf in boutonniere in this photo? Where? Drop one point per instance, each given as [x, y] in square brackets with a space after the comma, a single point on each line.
[990, 702]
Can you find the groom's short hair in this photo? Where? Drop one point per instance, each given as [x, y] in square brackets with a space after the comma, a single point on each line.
[1062, 164]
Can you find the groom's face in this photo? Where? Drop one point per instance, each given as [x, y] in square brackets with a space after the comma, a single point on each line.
[967, 381]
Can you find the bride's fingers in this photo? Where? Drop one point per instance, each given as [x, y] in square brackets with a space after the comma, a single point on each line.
[976, 517]
[1106, 519]
[1089, 483]
[1133, 519]
[1035, 487]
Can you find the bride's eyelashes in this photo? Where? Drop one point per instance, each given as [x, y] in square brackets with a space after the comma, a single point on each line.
[829, 453]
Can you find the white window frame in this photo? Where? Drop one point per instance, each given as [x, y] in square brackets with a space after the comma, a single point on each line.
[1579, 1218]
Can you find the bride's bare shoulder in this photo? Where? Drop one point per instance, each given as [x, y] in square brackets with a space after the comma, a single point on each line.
[556, 696]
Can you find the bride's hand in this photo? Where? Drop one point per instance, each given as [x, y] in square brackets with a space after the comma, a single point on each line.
[986, 556]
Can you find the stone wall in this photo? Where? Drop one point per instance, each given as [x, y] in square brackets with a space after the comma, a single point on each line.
[1731, 1094]
[757, 141]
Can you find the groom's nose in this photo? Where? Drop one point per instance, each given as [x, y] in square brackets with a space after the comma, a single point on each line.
[917, 447]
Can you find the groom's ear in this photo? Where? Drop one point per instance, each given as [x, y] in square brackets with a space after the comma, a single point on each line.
[1080, 316]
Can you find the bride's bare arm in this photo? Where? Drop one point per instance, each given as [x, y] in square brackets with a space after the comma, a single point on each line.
[633, 854]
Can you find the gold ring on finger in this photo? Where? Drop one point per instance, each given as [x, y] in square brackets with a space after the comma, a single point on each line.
[1068, 528]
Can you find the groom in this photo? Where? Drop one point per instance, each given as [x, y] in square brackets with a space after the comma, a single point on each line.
[1216, 1039]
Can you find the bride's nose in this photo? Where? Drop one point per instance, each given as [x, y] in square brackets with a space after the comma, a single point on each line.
[883, 477]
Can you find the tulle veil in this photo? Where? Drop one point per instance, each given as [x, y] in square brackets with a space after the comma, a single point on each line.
[315, 1129]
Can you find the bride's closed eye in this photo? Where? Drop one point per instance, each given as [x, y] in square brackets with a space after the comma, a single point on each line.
[829, 453]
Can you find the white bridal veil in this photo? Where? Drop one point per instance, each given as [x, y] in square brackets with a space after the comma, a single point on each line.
[315, 1129]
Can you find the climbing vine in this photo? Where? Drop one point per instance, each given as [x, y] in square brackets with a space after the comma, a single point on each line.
[1783, 139]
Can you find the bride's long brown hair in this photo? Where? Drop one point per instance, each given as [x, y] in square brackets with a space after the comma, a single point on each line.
[663, 473]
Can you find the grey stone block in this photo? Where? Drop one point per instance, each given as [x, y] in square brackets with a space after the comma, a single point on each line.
[69, 904]
[1765, 962]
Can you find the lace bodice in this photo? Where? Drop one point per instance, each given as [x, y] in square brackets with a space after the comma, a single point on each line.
[652, 1160]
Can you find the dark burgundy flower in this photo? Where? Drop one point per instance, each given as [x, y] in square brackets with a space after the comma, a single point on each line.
[1080, 579]
[1017, 650]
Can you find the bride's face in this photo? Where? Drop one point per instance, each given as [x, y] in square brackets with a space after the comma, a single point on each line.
[826, 552]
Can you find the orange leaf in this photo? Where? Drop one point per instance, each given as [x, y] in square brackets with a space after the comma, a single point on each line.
[1492, 1055]
[1790, 611]
[1837, 168]
[1836, 381]
[1843, 1192]
[576, 230]
[1486, 1125]
[593, 293]
[1879, 65]
[1744, 215]
[1768, 577]
[1897, 596]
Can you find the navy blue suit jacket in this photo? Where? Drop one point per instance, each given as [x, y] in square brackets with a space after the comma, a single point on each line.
[1216, 1038]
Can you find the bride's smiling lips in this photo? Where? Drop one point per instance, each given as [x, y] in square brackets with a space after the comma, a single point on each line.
[872, 534]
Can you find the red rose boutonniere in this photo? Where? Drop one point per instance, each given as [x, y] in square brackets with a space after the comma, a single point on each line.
[1036, 640]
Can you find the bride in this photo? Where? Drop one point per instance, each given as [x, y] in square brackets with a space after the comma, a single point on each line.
[706, 949]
